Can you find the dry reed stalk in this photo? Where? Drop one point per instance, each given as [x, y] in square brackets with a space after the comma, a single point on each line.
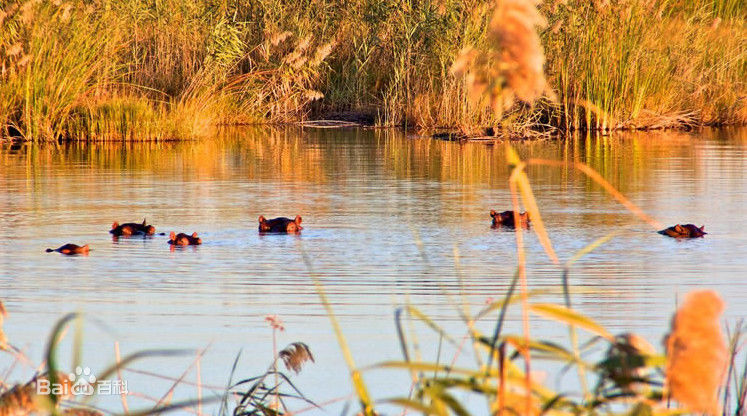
[123, 395]
[696, 352]
[165, 400]
[199, 387]
[3, 338]
[596, 177]
[277, 325]
[524, 350]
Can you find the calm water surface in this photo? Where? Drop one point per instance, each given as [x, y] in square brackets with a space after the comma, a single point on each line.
[388, 219]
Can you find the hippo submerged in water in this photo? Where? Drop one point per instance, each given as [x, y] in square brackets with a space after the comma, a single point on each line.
[506, 218]
[70, 249]
[182, 239]
[280, 225]
[684, 231]
[132, 228]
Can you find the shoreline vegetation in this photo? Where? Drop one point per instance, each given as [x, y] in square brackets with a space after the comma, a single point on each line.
[131, 70]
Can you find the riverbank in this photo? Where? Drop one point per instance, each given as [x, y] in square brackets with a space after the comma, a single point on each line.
[169, 70]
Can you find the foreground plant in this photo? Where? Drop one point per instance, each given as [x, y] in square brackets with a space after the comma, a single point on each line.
[629, 374]
[51, 391]
[254, 396]
[697, 353]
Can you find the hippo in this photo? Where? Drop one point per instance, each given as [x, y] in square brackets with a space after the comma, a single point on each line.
[70, 249]
[132, 228]
[280, 225]
[506, 218]
[684, 231]
[182, 239]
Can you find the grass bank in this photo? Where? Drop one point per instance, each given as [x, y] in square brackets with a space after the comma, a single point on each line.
[137, 70]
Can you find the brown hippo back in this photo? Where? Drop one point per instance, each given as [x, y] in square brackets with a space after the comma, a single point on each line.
[71, 249]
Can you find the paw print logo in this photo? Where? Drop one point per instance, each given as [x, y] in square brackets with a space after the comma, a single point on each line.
[83, 381]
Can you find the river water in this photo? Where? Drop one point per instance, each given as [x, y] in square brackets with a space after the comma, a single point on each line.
[388, 219]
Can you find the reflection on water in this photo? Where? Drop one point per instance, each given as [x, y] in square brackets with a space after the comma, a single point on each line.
[384, 216]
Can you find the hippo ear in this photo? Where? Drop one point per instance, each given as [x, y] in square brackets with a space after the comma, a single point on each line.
[172, 235]
[143, 222]
[527, 214]
[262, 219]
[298, 220]
[679, 228]
[194, 234]
[702, 228]
[493, 213]
[115, 225]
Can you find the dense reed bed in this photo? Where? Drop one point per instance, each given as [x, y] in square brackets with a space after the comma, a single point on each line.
[134, 70]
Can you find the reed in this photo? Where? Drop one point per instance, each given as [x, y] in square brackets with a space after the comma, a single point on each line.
[129, 70]
[697, 353]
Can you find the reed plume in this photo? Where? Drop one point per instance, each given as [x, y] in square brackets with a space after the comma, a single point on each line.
[696, 352]
[295, 355]
[19, 400]
[513, 28]
[512, 66]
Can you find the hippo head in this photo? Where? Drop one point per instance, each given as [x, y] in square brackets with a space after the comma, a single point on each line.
[263, 225]
[178, 240]
[195, 239]
[295, 225]
[147, 229]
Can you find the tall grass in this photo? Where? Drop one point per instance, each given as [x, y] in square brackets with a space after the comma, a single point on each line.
[81, 70]
[631, 64]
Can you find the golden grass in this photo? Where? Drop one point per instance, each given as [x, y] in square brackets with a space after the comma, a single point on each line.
[697, 353]
[137, 71]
